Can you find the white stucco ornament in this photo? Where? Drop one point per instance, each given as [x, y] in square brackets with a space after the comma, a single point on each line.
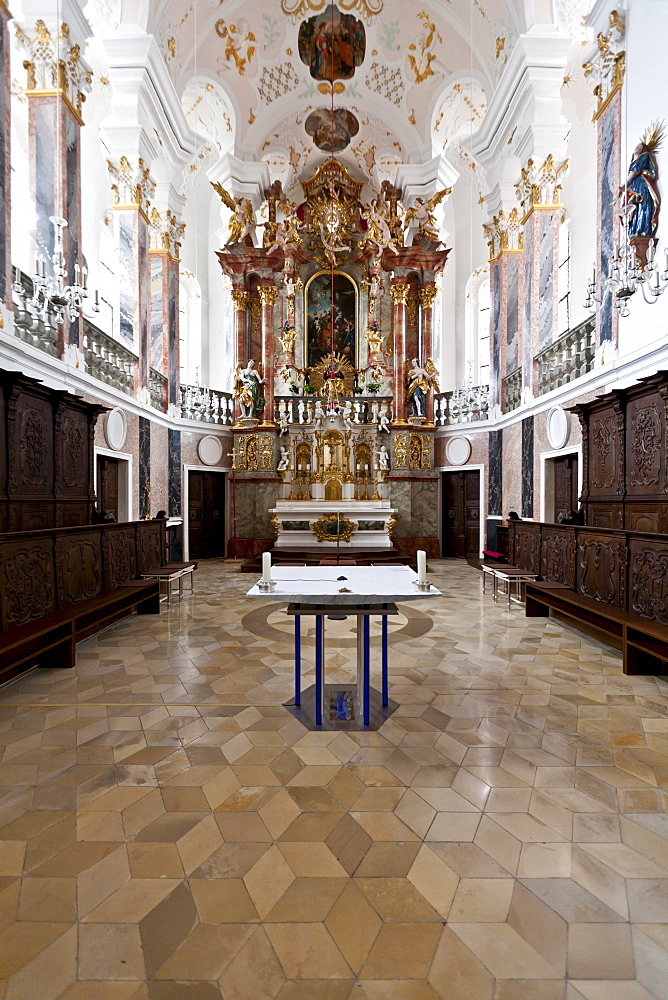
[116, 428]
[558, 427]
[458, 450]
[210, 450]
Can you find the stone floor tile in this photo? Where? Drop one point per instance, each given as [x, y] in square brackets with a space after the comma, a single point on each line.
[452, 826]
[223, 901]
[306, 900]
[307, 951]
[268, 879]
[504, 952]
[456, 973]
[206, 952]
[396, 900]
[255, 971]
[481, 900]
[402, 951]
[110, 951]
[600, 951]
[53, 899]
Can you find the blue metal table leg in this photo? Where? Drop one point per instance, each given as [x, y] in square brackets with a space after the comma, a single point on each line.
[298, 660]
[384, 658]
[319, 629]
[367, 667]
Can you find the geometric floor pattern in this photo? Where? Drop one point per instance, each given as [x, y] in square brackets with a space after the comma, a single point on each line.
[169, 831]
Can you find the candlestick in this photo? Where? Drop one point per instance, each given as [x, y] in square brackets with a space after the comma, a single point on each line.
[266, 567]
[422, 566]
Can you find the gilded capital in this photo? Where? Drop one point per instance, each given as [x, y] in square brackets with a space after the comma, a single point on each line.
[131, 184]
[240, 298]
[54, 67]
[166, 233]
[268, 294]
[540, 186]
[504, 234]
[427, 295]
[399, 292]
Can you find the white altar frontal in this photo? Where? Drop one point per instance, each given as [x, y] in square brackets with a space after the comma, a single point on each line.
[334, 491]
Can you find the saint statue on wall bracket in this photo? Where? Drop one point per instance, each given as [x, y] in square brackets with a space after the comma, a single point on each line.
[332, 44]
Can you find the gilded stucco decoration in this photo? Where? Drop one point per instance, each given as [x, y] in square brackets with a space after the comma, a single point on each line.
[504, 234]
[540, 186]
[166, 233]
[240, 45]
[333, 527]
[54, 66]
[607, 68]
[131, 184]
[421, 55]
[298, 8]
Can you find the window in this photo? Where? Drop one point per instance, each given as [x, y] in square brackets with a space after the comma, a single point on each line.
[564, 279]
[484, 310]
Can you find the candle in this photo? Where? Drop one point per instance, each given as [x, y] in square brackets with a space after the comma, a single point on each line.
[422, 566]
[266, 567]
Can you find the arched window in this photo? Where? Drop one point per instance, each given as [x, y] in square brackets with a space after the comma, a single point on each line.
[477, 327]
[190, 330]
[564, 279]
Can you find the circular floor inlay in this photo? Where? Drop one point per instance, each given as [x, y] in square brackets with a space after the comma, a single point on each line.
[271, 622]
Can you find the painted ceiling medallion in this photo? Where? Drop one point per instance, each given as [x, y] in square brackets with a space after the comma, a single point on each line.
[332, 133]
[297, 8]
[332, 44]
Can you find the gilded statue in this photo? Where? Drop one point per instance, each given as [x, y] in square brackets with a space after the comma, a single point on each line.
[423, 213]
[419, 382]
[242, 223]
[378, 232]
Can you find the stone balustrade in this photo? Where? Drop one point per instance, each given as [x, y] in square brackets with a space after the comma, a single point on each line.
[207, 406]
[158, 389]
[512, 384]
[28, 327]
[569, 357]
[365, 408]
[107, 360]
[461, 406]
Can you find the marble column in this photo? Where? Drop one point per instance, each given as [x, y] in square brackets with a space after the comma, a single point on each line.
[166, 233]
[132, 186]
[268, 295]
[54, 122]
[399, 289]
[5, 162]
[427, 294]
[240, 298]
[505, 240]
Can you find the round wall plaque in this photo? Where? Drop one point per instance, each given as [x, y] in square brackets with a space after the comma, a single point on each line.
[458, 450]
[558, 427]
[210, 450]
[116, 428]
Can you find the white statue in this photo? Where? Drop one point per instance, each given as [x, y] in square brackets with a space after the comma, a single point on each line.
[383, 459]
[285, 460]
[384, 418]
[378, 231]
[283, 422]
[346, 414]
[319, 414]
[301, 408]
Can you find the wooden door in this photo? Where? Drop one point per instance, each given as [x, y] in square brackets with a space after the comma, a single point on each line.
[461, 514]
[565, 485]
[107, 485]
[206, 514]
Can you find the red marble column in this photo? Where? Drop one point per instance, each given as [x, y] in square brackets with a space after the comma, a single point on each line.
[541, 293]
[268, 296]
[5, 160]
[427, 294]
[164, 355]
[399, 289]
[240, 298]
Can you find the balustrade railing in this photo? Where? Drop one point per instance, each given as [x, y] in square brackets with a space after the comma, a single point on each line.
[29, 328]
[513, 386]
[208, 406]
[569, 357]
[107, 360]
[158, 389]
[301, 409]
[461, 406]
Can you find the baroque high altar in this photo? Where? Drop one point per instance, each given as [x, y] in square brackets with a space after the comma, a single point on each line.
[334, 381]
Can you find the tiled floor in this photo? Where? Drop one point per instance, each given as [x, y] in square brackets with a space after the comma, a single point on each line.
[169, 832]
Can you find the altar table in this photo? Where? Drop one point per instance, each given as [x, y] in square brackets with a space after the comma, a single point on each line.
[362, 591]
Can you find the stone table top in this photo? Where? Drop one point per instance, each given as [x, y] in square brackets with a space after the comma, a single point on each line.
[366, 585]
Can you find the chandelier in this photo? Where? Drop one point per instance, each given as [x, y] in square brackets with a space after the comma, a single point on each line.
[627, 275]
[51, 292]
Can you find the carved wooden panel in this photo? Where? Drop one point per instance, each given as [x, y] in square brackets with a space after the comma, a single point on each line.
[603, 452]
[648, 579]
[527, 546]
[30, 515]
[30, 444]
[26, 580]
[72, 473]
[3, 445]
[645, 516]
[78, 566]
[645, 423]
[120, 559]
[558, 556]
[71, 514]
[605, 515]
[150, 546]
[601, 568]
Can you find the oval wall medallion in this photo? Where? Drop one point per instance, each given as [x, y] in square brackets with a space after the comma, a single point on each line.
[558, 427]
[210, 450]
[116, 428]
[458, 450]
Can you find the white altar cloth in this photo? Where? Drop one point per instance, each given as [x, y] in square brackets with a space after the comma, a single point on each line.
[321, 585]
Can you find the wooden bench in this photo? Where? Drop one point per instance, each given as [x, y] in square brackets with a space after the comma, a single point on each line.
[173, 571]
[50, 641]
[644, 642]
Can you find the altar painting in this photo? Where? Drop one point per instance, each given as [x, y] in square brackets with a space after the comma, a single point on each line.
[318, 313]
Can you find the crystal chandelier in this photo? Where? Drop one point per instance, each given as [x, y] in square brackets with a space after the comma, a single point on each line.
[51, 292]
[626, 275]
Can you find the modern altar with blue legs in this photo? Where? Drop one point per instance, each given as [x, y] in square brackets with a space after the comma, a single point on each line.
[333, 592]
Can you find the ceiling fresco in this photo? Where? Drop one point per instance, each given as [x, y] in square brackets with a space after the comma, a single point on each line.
[274, 65]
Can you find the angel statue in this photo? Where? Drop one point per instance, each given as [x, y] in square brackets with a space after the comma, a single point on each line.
[286, 238]
[423, 213]
[378, 229]
[419, 382]
[248, 390]
[242, 224]
[643, 199]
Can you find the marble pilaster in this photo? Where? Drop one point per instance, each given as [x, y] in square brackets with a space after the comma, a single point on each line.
[609, 127]
[399, 294]
[144, 467]
[495, 470]
[427, 296]
[268, 296]
[527, 467]
[166, 233]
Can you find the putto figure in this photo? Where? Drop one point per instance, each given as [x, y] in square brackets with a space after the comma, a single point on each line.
[419, 382]
[643, 200]
[248, 390]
